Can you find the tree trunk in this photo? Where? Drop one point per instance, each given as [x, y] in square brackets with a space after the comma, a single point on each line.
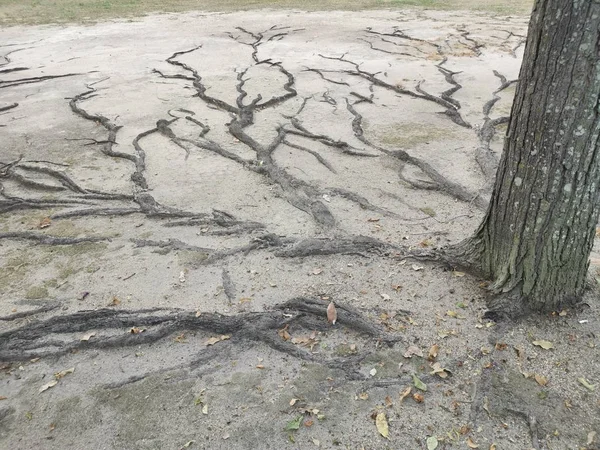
[538, 232]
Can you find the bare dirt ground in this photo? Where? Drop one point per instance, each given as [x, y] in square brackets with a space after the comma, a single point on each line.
[183, 196]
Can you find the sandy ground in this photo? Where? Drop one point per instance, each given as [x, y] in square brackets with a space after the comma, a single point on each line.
[142, 215]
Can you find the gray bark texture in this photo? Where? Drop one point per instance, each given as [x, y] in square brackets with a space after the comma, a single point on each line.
[535, 240]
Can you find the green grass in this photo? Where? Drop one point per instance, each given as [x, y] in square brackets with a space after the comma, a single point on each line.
[18, 12]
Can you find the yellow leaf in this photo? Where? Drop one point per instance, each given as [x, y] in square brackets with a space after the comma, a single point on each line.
[458, 274]
[493, 447]
[546, 345]
[214, 340]
[382, 425]
[471, 444]
[451, 313]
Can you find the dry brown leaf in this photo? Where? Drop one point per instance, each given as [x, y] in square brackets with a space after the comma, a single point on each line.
[382, 425]
[418, 397]
[309, 423]
[405, 393]
[413, 351]
[2, 397]
[433, 352]
[373, 220]
[293, 401]
[541, 380]
[331, 313]
[62, 373]
[180, 338]
[48, 386]
[198, 313]
[136, 330]
[363, 396]
[439, 370]
[493, 447]
[45, 223]
[260, 366]
[283, 333]
[114, 302]
[501, 346]
[388, 402]
[471, 444]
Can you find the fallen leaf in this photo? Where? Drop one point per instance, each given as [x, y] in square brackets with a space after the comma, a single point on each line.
[294, 424]
[309, 423]
[214, 340]
[198, 313]
[136, 330]
[458, 274]
[432, 443]
[114, 302]
[382, 425]
[546, 345]
[405, 393]
[385, 297]
[205, 409]
[316, 442]
[87, 336]
[188, 444]
[317, 271]
[48, 385]
[419, 384]
[563, 313]
[471, 444]
[363, 396]
[181, 339]
[418, 397]
[413, 351]
[388, 402]
[331, 313]
[327, 198]
[373, 220]
[283, 333]
[586, 384]
[493, 447]
[501, 346]
[439, 370]
[541, 380]
[452, 314]
[433, 352]
[293, 401]
[2, 397]
[63, 373]
[45, 223]
[425, 243]
[260, 366]
[416, 268]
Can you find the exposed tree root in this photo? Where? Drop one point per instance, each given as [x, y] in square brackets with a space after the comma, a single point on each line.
[61, 334]
[45, 239]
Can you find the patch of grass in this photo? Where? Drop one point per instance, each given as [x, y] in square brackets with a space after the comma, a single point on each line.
[410, 135]
[36, 292]
[18, 12]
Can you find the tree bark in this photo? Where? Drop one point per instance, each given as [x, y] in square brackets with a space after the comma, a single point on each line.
[538, 232]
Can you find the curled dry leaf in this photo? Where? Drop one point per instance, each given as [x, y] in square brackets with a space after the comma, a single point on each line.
[214, 340]
[433, 352]
[331, 313]
[63, 373]
[283, 333]
[418, 397]
[87, 336]
[45, 223]
[471, 444]
[413, 351]
[363, 396]
[114, 302]
[405, 393]
[48, 385]
[541, 380]
[439, 370]
[382, 425]
[260, 366]
[293, 401]
[309, 423]
[136, 330]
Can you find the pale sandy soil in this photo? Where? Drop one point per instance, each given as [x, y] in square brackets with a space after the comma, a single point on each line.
[370, 136]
